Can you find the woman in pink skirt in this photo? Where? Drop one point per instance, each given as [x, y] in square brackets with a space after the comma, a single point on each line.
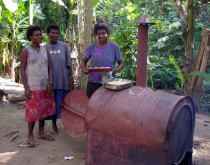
[36, 73]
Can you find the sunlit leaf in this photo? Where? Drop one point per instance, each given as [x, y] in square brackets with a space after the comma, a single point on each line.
[59, 2]
[178, 71]
[10, 5]
[95, 3]
[130, 7]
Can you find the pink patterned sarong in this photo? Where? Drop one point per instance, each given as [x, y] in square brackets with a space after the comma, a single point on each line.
[40, 106]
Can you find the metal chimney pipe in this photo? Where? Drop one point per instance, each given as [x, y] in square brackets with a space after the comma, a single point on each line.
[141, 74]
[141, 77]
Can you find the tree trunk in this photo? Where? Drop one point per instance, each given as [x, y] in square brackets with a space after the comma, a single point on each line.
[201, 64]
[80, 42]
[88, 19]
[188, 32]
[85, 16]
[12, 63]
[70, 39]
[14, 99]
[199, 60]
[31, 12]
[1, 59]
[5, 58]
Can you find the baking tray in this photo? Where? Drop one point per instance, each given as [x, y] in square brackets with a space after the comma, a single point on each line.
[118, 84]
[100, 69]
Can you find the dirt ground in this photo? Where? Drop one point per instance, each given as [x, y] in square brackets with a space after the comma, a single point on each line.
[53, 152]
[46, 152]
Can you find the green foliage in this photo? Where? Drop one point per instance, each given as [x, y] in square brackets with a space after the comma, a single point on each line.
[56, 14]
[14, 20]
[165, 38]
[178, 71]
[121, 18]
[95, 4]
[161, 73]
[204, 75]
[14, 16]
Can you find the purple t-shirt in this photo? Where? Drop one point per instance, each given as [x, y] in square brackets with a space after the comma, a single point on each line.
[102, 57]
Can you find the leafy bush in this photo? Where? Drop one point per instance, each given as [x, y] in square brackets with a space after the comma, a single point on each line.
[161, 73]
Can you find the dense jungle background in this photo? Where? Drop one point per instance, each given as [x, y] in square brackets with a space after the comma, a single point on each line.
[178, 44]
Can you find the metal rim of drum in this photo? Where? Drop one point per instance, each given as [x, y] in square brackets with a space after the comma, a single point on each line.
[181, 123]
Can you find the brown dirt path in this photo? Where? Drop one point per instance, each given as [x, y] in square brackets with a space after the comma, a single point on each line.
[201, 149]
[46, 152]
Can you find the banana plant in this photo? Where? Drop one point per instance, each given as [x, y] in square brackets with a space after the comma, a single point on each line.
[13, 20]
[13, 15]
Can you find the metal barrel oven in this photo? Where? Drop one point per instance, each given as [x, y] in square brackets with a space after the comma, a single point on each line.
[135, 126]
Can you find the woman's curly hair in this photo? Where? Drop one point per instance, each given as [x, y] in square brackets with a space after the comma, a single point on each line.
[100, 26]
[30, 31]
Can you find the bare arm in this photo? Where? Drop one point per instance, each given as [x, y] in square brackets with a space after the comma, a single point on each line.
[119, 67]
[49, 88]
[24, 57]
[84, 65]
[71, 78]
[49, 69]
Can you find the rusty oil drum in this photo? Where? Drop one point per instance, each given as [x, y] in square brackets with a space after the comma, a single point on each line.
[136, 126]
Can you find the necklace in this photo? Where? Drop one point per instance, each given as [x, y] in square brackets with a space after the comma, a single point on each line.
[37, 49]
